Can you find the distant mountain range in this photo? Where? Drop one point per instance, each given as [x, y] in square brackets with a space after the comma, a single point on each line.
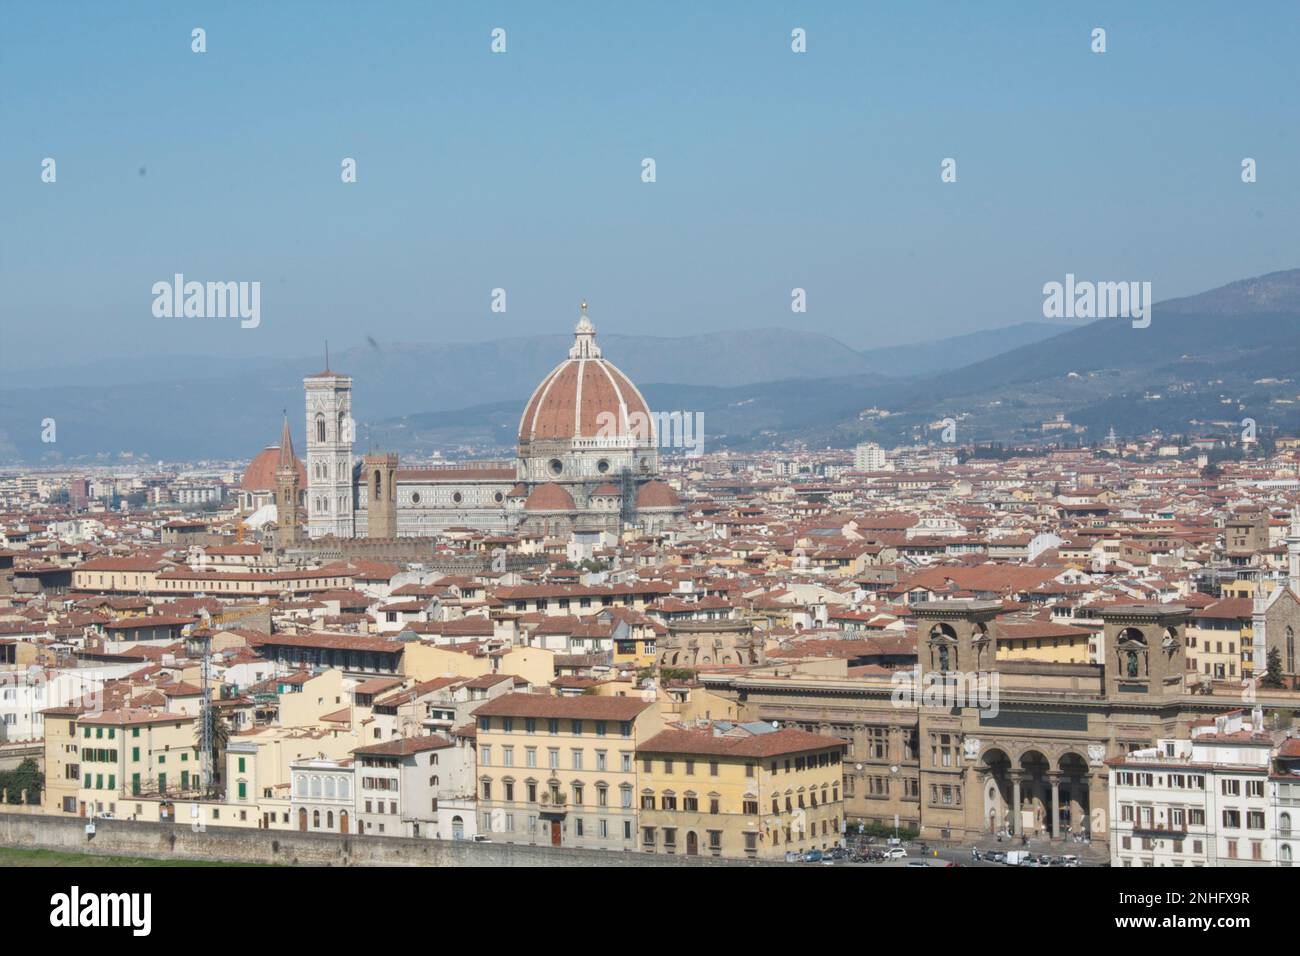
[1204, 358]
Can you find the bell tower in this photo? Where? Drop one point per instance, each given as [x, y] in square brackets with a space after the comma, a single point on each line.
[330, 434]
[954, 636]
[1146, 650]
[381, 495]
[287, 492]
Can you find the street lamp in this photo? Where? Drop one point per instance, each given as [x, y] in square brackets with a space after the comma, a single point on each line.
[893, 770]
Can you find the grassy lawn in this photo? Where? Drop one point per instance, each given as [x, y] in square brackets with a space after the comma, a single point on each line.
[20, 857]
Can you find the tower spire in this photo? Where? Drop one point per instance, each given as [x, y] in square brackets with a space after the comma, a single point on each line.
[287, 458]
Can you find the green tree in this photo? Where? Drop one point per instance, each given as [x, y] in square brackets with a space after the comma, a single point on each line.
[27, 777]
[1273, 677]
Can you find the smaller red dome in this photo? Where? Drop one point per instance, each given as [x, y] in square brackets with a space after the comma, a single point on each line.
[260, 473]
[657, 494]
[608, 488]
[549, 497]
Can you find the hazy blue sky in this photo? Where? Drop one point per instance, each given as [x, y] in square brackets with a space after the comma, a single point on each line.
[522, 170]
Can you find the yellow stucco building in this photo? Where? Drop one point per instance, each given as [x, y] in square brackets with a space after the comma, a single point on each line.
[739, 790]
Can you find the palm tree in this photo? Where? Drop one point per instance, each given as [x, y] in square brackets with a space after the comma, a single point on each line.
[220, 735]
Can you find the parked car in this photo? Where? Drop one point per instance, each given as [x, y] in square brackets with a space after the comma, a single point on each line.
[895, 853]
[1069, 860]
[813, 856]
[997, 856]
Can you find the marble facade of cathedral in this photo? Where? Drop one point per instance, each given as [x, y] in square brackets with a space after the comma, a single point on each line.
[586, 441]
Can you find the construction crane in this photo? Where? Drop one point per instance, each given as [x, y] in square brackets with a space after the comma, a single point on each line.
[206, 757]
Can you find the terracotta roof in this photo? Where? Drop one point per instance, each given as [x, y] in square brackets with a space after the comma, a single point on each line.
[704, 742]
[657, 494]
[539, 705]
[405, 746]
[549, 497]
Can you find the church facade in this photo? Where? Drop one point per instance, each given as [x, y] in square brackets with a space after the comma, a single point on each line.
[587, 461]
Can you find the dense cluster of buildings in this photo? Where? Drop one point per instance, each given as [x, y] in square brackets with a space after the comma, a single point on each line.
[595, 646]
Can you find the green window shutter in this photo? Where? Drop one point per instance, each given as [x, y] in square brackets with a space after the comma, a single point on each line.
[162, 782]
[135, 753]
[99, 781]
[243, 790]
[241, 764]
[135, 731]
[112, 781]
[135, 785]
[87, 729]
[112, 733]
[87, 781]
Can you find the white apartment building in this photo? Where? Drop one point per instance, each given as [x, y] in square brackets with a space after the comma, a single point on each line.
[416, 787]
[869, 456]
[26, 691]
[1208, 800]
[324, 795]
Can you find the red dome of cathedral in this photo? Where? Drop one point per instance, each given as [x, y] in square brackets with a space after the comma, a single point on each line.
[585, 397]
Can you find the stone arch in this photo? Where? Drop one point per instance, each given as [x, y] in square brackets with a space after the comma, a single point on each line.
[943, 647]
[994, 771]
[1035, 790]
[1131, 653]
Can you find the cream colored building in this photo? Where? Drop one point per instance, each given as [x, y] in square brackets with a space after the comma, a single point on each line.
[129, 753]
